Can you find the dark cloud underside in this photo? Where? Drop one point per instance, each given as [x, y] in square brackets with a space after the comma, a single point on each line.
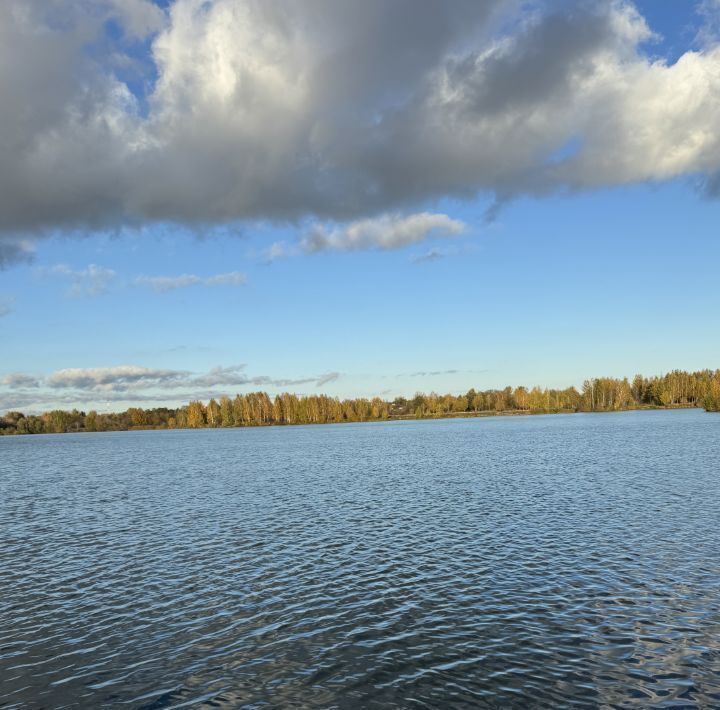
[333, 110]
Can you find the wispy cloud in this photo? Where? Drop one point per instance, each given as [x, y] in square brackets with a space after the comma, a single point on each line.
[432, 373]
[91, 281]
[163, 284]
[327, 378]
[232, 278]
[709, 31]
[7, 306]
[231, 375]
[279, 250]
[234, 375]
[429, 255]
[15, 251]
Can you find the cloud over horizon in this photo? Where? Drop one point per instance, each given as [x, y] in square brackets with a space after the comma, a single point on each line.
[211, 113]
[134, 383]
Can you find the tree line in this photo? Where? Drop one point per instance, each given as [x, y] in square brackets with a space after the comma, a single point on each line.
[603, 394]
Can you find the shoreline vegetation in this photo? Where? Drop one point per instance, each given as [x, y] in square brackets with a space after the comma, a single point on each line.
[677, 389]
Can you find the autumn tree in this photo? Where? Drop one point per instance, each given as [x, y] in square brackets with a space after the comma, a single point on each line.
[195, 415]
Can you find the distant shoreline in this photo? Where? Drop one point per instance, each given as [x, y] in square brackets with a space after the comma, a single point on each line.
[393, 418]
[527, 413]
[675, 390]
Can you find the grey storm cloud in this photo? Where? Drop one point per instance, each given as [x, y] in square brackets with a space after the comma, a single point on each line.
[337, 112]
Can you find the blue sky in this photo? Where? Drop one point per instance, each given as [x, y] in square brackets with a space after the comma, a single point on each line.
[583, 278]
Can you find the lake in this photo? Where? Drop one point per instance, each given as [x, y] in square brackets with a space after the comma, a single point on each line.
[540, 561]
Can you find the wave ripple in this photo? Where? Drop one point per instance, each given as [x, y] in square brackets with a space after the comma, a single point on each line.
[515, 562]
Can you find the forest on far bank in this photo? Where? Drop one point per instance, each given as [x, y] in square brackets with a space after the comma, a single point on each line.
[604, 394]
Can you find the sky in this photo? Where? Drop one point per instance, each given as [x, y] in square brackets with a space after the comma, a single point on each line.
[359, 199]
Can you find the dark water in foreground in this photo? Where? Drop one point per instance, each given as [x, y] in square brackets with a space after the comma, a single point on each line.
[523, 562]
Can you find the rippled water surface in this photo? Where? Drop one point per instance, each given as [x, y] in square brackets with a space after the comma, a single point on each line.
[513, 562]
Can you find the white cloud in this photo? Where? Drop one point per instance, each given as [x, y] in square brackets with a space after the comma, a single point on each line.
[232, 278]
[279, 250]
[168, 283]
[337, 111]
[171, 283]
[429, 255]
[386, 232]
